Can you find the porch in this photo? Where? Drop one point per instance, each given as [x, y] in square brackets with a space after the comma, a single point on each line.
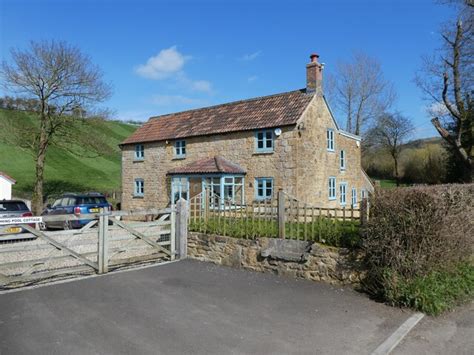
[223, 179]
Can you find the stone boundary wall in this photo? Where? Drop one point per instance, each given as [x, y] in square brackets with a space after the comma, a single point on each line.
[300, 259]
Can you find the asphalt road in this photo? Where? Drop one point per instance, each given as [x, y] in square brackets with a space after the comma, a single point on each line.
[190, 307]
[450, 333]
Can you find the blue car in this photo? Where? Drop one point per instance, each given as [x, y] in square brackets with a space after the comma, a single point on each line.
[77, 204]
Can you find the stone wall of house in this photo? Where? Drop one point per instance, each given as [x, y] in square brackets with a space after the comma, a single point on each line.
[300, 163]
[237, 147]
[315, 164]
[307, 260]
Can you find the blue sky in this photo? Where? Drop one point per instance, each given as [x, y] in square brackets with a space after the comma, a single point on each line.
[165, 56]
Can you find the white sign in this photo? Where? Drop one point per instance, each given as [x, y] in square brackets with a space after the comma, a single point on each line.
[20, 220]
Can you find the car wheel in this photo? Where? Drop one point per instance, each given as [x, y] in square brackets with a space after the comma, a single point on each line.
[43, 226]
[67, 225]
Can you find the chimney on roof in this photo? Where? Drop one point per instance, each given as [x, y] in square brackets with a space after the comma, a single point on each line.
[314, 74]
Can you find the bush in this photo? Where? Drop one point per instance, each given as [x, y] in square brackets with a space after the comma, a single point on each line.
[416, 234]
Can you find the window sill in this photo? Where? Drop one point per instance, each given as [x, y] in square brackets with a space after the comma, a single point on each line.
[269, 152]
[332, 199]
[139, 196]
[179, 158]
[138, 160]
[331, 150]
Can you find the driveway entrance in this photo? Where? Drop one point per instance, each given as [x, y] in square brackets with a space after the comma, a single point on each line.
[190, 307]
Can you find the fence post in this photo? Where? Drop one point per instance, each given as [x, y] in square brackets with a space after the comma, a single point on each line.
[363, 211]
[103, 250]
[281, 214]
[207, 202]
[181, 229]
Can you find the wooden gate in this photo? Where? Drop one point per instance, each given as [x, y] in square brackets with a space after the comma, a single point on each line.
[109, 241]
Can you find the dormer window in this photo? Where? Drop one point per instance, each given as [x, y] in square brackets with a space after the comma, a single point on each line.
[180, 149]
[139, 152]
[264, 141]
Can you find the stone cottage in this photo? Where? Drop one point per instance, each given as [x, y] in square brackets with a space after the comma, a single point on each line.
[247, 150]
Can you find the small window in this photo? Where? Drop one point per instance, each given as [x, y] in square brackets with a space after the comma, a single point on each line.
[139, 187]
[139, 152]
[264, 141]
[363, 194]
[330, 139]
[180, 149]
[354, 197]
[342, 160]
[332, 188]
[342, 193]
[263, 188]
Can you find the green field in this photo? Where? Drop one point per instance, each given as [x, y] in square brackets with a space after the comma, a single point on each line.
[91, 163]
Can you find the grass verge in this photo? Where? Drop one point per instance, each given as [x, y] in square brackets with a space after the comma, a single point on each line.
[435, 293]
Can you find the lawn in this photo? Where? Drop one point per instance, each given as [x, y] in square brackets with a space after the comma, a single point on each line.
[69, 167]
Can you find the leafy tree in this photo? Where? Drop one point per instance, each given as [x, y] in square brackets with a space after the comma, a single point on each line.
[63, 81]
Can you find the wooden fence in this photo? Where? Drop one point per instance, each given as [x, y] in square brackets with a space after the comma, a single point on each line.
[104, 244]
[283, 217]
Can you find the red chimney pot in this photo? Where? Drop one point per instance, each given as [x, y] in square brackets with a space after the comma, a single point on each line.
[314, 57]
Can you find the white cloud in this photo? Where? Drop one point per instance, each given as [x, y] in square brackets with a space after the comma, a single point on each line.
[201, 85]
[437, 109]
[170, 100]
[252, 78]
[165, 64]
[169, 64]
[251, 56]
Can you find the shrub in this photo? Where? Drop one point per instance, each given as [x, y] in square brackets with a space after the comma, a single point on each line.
[415, 234]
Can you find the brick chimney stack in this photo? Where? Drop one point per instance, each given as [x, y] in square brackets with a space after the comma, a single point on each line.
[314, 74]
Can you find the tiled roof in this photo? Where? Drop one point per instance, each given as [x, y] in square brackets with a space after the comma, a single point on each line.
[261, 112]
[7, 177]
[215, 165]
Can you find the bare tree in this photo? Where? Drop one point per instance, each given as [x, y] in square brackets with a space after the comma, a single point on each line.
[447, 80]
[359, 91]
[390, 132]
[63, 81]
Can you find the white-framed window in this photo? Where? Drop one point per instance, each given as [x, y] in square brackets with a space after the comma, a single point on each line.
[330, 139]
[363, 194]
[139, 189]
[354, 197]
[264, 141]
[263, 188]
[233, 188]
[180, 149]
[332, 188]
[179, 188]
[342, 160]
[342, 193]
[139, 152]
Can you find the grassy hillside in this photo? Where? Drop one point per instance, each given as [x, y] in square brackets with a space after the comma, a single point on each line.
[91, 163]
[422, 161]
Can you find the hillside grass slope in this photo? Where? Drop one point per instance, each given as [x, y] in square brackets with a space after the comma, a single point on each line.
[91, 163]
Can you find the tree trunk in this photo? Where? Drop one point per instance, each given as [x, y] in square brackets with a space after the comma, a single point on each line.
[397, 178]
[37, 203]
